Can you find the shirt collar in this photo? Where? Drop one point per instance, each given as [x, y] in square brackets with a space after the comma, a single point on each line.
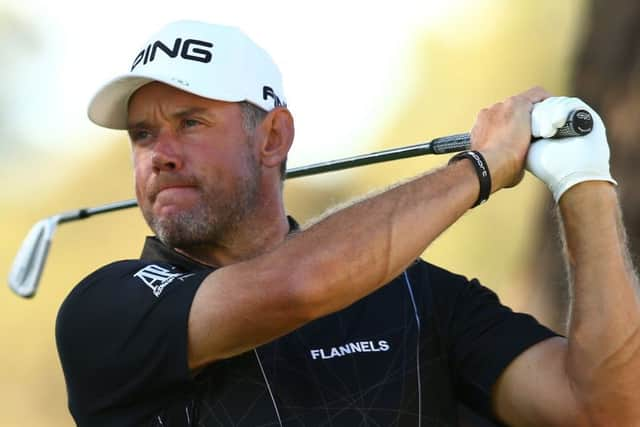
[155, 250]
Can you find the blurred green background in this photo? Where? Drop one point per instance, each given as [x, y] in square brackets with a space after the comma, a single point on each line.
[365, 77]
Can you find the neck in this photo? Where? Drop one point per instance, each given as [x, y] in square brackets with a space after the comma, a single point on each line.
[254, 236]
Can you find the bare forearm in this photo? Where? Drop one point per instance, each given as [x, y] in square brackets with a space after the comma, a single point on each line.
[370, 242]
[603, 361]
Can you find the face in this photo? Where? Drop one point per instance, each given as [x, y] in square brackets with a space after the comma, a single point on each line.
[196, 171]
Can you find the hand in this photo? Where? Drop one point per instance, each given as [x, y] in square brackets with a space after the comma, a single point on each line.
[502, 133]
[563, 163]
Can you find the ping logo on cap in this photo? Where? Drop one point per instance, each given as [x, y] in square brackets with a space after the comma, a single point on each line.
[267, 92]
[190, 49]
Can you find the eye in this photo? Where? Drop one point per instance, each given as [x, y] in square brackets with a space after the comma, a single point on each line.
[189, 123]
[138, 135]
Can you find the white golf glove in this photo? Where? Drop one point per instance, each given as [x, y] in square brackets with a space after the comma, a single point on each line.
[564, 162]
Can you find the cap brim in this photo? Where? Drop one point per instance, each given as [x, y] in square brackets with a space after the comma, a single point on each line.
[109, 106]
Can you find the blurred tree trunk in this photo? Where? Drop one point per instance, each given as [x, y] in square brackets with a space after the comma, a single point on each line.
[606, 75]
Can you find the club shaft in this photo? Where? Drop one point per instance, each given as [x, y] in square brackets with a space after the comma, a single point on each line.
[87, 212]
[442, 145]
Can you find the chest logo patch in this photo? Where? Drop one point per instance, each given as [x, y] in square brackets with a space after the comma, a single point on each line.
[157, 278]
[350, 348]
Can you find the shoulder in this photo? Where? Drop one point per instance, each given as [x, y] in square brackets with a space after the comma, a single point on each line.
[122, 332]
[132, 276]
[119, 287]
[122, 300]
[104, 280]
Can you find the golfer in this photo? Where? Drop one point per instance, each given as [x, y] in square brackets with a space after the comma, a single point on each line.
[235, 315]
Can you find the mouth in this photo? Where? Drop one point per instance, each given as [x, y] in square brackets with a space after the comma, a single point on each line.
[173, 193]
[172, 197]
[162, 185]
[173, 189]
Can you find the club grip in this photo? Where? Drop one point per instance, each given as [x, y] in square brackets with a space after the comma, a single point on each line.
[451, 143]
[579, 123]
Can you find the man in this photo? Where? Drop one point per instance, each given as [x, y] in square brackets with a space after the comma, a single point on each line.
[234, 316]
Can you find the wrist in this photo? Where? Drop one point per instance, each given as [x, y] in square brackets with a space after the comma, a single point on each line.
[587, 192]
[559, 188]
[481, 169]
[501, 177]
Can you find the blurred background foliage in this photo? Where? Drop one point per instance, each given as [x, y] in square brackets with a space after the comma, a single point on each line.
[448, 71]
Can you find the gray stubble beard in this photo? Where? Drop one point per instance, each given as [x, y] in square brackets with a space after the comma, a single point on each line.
[214, 221]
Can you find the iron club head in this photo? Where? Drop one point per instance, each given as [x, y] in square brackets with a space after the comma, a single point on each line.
[29, 261]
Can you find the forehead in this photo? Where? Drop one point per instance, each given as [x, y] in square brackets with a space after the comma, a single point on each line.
[160, 97]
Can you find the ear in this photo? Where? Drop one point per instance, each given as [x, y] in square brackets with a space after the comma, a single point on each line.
[276, 134]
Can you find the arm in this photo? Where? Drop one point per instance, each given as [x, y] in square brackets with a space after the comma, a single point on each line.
[603, 354]
[354, 251]
[591, 378]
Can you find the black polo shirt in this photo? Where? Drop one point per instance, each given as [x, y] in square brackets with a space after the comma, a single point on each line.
[408, 352]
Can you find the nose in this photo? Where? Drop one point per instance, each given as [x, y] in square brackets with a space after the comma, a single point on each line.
[166, 155]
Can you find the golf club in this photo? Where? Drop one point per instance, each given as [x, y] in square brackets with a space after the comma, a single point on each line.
[30, 260]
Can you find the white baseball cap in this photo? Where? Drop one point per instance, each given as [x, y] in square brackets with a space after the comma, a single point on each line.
[213, 61]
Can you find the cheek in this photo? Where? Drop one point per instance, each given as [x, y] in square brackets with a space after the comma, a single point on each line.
[141, 171]
[216, 160]
[226, 169]
[138, 183]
